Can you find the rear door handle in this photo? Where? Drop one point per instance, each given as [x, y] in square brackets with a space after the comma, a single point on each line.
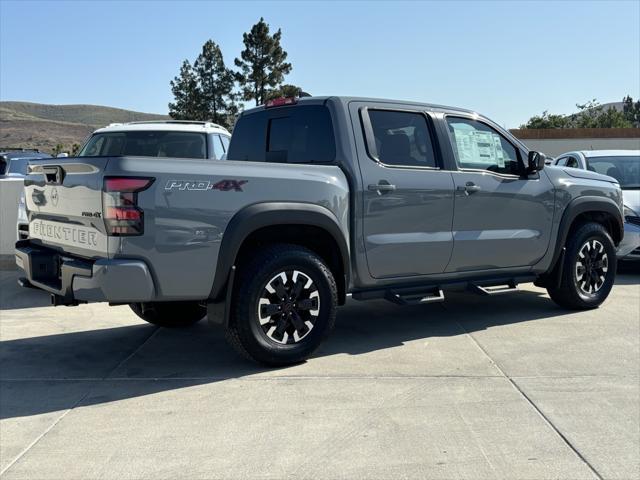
[469, 188]
[381, 186]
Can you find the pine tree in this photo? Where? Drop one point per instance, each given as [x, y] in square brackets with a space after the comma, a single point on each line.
[262, 63]
[631, 110]
[215, 85]
[185, 91]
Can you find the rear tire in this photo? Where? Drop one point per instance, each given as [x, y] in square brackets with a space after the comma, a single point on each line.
[589, 269]
[170, 314]
[283, 306]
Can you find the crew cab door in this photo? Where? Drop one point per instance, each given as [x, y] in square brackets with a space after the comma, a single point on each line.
[502, 219]
[407, 199]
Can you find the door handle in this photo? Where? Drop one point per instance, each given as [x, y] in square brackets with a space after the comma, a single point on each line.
[381, 186]
[469, 188]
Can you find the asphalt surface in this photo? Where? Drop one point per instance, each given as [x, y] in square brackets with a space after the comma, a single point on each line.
[500, 387]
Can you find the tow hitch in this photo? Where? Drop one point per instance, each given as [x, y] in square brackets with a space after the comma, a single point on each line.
[57, 300]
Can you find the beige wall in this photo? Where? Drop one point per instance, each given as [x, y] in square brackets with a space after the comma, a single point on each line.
[557, 146]
[10, 190]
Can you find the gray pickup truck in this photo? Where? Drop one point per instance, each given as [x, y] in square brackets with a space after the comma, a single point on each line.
[319, 198]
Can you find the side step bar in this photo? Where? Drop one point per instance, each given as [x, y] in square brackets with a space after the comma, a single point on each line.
[432, 293]
[510, 287]
[414, 297]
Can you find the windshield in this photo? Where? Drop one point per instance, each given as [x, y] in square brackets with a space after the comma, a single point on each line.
[624, 169]
[146, 144]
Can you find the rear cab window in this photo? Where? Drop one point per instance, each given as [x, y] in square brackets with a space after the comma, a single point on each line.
[290, 134]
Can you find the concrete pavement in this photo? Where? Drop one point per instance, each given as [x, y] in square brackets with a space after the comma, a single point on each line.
[504, 387]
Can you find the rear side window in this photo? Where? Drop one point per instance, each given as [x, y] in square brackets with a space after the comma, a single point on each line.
[477, 146]
[402, 138]
[218, 150]
[225, 142]
[300, 134]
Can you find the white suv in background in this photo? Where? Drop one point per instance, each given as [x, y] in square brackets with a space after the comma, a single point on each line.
[179, 139]
[624, 166]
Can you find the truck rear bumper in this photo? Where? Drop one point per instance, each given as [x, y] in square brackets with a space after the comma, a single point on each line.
[73, 280]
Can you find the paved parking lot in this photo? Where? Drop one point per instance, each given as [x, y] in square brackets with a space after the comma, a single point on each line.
[502, 387]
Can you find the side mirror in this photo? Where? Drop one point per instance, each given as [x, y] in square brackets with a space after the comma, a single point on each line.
[62, 155]
[536, 161]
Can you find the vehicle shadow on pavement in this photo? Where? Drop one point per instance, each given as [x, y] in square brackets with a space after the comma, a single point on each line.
[628, 273]
[53, 372]
[14, 297]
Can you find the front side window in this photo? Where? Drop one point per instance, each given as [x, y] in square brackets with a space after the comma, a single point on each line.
[572, 162]
[477, 146]
[146, 144]
[402, 138]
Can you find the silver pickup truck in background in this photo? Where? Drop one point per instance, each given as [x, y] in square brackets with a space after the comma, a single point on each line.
[316, 198]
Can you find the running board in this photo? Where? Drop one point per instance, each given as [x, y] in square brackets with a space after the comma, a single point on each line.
[510, 287]
[414, 297]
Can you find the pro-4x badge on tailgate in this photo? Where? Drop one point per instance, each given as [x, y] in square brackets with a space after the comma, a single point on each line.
[223, 185]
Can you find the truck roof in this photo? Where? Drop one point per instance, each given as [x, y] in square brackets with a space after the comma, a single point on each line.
[345, 100]
[165, 125]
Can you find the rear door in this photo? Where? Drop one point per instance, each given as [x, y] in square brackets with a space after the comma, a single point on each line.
[64, 203]
[407, 197]
[502, 218]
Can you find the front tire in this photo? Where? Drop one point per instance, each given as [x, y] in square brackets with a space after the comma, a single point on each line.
[589, 269]
[283, 305]
[170, 314]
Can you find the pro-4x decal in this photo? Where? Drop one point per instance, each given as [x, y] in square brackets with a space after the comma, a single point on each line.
[226, 185]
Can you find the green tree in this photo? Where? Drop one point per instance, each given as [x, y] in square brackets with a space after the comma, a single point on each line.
[547, 120]
[631, 110]
[262, 63]
[593, 115]
[215, 85]
[186, 105]
[587, 116]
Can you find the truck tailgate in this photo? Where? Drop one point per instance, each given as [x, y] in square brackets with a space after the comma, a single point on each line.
[64, 203]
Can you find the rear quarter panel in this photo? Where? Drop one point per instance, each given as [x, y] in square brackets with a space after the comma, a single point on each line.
[191, 202]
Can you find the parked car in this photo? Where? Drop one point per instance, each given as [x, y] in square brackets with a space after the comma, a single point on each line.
[624, 166]
[13, 168]
[159, 138]
[320, 197]
[14, 161]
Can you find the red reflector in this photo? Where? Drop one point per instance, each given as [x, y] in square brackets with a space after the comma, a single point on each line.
[279, 102]
[126, 184]
[122, 213]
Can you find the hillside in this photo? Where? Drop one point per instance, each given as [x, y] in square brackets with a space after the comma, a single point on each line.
[41, 126]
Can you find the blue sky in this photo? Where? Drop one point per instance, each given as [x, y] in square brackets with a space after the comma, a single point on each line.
[506, 59]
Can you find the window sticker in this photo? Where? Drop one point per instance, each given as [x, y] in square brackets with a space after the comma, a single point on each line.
[477, 146]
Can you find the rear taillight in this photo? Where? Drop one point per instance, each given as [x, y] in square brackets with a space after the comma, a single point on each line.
[122, 215]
